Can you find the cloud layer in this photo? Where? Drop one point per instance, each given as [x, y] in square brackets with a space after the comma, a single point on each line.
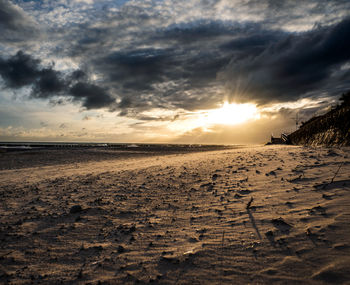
[133, 57]
[293, 66]
[21, 70]
[151, 54]
[15, 24]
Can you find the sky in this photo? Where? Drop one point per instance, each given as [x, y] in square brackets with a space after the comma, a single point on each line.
[169, 71]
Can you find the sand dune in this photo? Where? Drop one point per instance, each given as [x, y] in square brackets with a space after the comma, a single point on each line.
[257, 215]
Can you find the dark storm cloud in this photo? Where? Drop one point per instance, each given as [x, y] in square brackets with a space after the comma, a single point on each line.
[92, 95]
[248, 45]
[159, 75]
[48, 83]
[185, 74]
[11, 16]
[293, 66]
[19, 70]
[178, 55]
[198, 31]
[138, 69]
[149, 60]
[78, 75]
[15, 24]
[23, 70]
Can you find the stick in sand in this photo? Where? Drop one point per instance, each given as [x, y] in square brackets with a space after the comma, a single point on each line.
[337, 172]
[249, 203]
[335, 175]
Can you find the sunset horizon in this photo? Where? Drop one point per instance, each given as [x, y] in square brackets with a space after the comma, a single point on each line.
[158, 71]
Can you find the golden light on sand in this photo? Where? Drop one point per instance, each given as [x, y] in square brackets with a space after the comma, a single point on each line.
[230, 114]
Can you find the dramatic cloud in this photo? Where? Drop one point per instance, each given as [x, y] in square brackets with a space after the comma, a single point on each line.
[293, 66]
[162, 55]
[149, 62]
[182, 72]
[92, 95]
[15, 24]
[19, 70]
[253, 62]
[23, 70]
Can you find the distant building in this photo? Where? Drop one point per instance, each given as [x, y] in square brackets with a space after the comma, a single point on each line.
[281, 140]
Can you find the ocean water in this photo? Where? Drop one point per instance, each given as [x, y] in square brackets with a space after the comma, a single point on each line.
[27, 146]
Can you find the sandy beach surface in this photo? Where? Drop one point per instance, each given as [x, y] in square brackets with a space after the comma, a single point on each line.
[257, 215]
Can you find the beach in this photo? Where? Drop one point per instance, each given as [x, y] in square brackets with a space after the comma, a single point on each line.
[255, 214]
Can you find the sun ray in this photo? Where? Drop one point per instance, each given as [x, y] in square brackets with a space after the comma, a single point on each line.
[229, 114]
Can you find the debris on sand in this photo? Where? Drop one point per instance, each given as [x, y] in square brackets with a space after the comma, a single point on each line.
[281, 225]
[75, 209]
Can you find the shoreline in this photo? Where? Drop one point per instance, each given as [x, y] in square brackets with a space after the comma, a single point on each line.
[243, 215]
[24, 158]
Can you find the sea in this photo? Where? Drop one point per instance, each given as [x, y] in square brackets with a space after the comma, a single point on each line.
[28, 146]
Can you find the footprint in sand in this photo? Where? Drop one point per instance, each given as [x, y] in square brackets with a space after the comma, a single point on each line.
[244, 192]
[318, 210]
[281, 225]
[215, 176]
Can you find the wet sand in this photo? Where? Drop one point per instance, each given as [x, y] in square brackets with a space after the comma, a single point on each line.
[259, 215]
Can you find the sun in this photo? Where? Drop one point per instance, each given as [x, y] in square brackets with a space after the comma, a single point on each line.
[230, 114]
[226, 114]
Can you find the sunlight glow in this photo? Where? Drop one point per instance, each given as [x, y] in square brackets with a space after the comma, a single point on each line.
[229, 114]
